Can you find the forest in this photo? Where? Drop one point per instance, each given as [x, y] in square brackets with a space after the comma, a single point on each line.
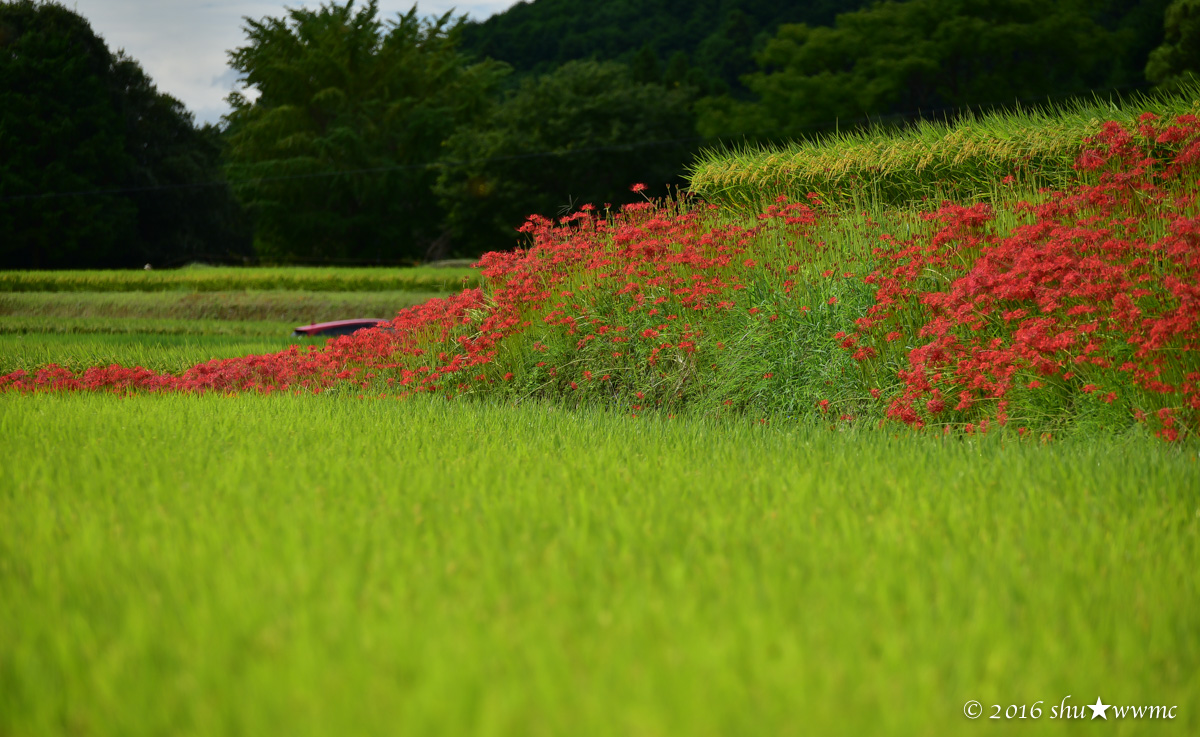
[409, 139]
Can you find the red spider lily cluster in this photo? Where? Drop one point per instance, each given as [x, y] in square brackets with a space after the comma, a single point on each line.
[1090, 294]
[1098, 291]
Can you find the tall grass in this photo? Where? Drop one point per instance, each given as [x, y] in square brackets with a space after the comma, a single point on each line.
[962, 160]
[321, 565]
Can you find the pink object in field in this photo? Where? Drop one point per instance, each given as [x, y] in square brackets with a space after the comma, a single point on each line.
[338, 327]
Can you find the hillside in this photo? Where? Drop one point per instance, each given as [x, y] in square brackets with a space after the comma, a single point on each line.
[716, 36]
[712, 43]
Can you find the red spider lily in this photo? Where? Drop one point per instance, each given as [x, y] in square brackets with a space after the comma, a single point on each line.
[1097, 285]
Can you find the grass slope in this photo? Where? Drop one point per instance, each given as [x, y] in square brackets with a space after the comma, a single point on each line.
[319, 565]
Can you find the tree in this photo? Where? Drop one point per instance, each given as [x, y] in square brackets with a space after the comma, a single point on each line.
[582, 134]
[922, 55]
[186, 211]
[83, 135]
[644, 68]
[1178, 59]
[332, 157]
[59, 133]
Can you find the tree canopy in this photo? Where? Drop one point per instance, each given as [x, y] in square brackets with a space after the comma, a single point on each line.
[716, 37]
[582, 134]
[1178, 58]
[331, 157]
[88, 144]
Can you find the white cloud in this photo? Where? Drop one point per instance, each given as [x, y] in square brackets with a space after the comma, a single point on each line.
[182, 45]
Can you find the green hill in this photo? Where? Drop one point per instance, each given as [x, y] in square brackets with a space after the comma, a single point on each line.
[716, 37]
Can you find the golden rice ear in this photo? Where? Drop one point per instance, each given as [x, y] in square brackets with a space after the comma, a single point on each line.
[931, 159]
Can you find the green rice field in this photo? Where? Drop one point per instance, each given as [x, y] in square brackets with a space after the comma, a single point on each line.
[223, 279]
[330, 565]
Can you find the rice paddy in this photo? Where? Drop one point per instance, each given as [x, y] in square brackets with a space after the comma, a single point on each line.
[317, 565]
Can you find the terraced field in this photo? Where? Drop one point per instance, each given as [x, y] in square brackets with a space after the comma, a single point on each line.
[170, 320]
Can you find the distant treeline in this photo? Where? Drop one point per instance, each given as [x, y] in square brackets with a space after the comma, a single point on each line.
[97, 168]
[375, 140]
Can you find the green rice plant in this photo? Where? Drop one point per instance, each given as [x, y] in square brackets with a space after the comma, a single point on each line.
[227, 279]
[195, 342]
[963, 160]
[27, 325]
[322, 565]
[296, 307]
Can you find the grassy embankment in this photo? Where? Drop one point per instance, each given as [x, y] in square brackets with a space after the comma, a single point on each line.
[325, 565]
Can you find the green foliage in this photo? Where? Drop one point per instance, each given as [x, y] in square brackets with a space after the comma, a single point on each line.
[202, 565]
[61, 133]
[644, 68]
[922, 55]
[83, 133]
[603, 130]
[186, 211]
[331, 157]
[1177, 60]
[717, 35]
[727, 53]
[328, 279]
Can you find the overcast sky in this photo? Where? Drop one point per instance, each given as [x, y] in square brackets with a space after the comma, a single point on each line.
[182, 43]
